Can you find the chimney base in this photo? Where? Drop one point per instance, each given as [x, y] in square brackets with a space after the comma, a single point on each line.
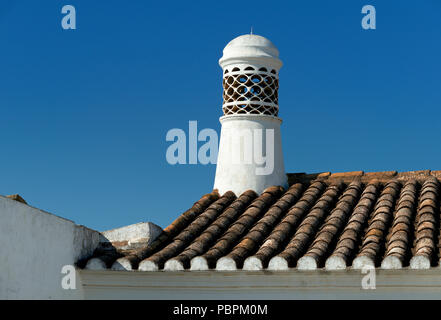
[250, 154]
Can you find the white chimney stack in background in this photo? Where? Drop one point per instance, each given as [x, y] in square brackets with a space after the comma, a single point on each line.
[250, 151]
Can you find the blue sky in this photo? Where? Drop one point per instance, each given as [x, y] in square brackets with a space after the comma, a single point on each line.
[85, 112]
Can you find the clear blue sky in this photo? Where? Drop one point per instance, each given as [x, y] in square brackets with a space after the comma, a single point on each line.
[84, 113]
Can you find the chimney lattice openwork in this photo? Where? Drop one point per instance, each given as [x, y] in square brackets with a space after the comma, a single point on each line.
[250, 90]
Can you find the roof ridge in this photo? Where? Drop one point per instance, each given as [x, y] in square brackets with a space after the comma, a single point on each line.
[349, 176]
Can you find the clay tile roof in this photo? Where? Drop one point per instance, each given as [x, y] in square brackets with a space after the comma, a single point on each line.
[324, 220]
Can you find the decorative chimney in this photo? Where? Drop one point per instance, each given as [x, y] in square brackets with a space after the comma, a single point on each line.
[250, 151]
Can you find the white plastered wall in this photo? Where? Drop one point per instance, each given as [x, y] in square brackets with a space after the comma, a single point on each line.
[35, 245]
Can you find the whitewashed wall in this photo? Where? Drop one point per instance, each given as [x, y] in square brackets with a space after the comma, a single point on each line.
[257, 285]
[34, 246]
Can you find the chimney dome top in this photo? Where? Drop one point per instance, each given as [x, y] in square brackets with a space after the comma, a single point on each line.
[251, 48]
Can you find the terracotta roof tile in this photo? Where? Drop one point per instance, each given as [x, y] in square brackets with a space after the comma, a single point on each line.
[306, 230]
[427, 221]
[228, 240]
[374, 238]
[333, 221]
[17, 197]
[251, 241]
[193, 230]
[347, 174]
[215, 230]
[400, 235]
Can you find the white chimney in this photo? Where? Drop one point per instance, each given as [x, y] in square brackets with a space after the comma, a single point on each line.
[250, 151]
